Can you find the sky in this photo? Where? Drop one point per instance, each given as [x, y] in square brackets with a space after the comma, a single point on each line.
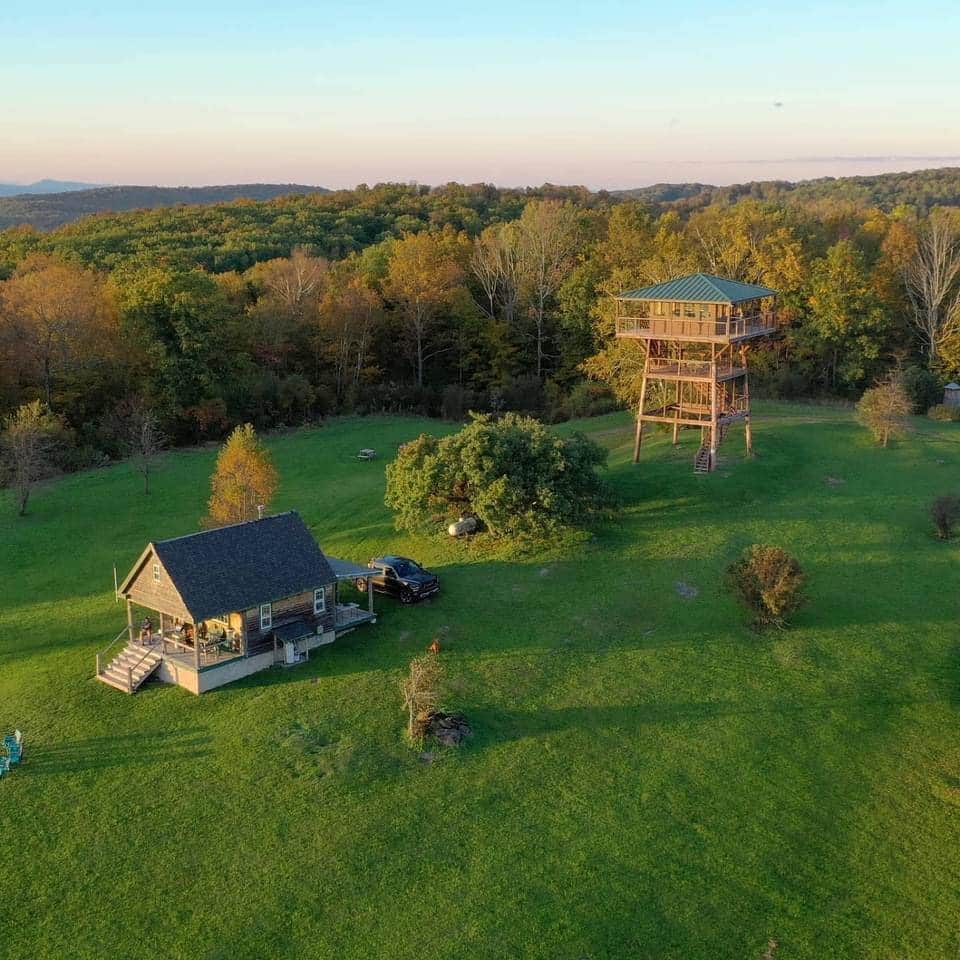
[602, 93]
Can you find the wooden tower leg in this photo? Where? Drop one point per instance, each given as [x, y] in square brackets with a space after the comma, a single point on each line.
[714, 436]
[747, 432]
[676, 414]
[643, 396]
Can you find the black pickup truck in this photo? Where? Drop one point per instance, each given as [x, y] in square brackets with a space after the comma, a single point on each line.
[401, 578]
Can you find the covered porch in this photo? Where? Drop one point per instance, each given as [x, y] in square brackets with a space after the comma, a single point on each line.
[350, 614]
[192, 646]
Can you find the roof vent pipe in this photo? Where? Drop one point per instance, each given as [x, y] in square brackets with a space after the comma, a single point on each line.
[259, 511]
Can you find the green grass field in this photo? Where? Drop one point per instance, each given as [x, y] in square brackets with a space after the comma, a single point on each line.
[649, 778]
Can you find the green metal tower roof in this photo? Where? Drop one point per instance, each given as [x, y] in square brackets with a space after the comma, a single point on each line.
[699, 288]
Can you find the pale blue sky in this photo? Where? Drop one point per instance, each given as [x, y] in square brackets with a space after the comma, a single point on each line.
[605, 93]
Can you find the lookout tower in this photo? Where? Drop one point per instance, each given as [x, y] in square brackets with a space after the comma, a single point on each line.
[696, 332]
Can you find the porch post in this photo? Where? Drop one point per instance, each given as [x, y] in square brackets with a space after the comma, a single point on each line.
[129, 620]
[196, 646]
[369, 594]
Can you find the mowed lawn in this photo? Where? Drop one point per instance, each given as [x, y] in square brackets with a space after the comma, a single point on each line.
[648, 779]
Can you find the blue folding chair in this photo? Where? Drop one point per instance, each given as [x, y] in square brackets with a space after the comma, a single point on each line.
[14, 744]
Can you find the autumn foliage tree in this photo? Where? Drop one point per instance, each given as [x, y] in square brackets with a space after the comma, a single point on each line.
[424, 278]
[244, 479]
[57, 319]
[885, 410]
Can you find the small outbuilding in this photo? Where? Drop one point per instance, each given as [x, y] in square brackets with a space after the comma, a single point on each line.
[951, 394]
[211, 607]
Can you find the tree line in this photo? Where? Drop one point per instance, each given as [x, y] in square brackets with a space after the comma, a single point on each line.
[402, 298]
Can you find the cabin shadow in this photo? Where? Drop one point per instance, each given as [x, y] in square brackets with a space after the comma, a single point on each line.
[123, 750]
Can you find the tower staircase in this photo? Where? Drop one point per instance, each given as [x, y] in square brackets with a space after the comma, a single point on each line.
[130, 668]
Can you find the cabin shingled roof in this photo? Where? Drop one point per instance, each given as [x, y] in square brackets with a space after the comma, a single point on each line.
[699, 288]
[244, 565]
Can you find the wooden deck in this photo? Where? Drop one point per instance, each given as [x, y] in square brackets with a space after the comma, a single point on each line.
[350, 615]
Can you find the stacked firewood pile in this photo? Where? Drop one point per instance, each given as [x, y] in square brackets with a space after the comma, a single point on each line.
[448, 729]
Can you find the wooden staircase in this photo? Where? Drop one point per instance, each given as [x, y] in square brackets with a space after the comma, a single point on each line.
[130, 668]
[701, 462]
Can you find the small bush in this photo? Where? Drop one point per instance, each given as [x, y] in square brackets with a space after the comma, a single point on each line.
[769, 583]
[940, 411]
[945, 514]
[586, 399]
[921, 386]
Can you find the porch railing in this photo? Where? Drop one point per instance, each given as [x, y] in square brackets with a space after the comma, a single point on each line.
[102, 653]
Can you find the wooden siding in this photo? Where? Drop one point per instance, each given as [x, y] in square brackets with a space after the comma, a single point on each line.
[160, 595]
[297, 607]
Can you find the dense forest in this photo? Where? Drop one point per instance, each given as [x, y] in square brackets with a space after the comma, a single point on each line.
[440, 300]
[47, 210]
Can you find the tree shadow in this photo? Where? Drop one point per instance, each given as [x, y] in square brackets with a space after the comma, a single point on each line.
[498, 725]
[123, 750]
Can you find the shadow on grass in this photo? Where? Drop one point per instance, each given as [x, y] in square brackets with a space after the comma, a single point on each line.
[123, 750]
[499, 726]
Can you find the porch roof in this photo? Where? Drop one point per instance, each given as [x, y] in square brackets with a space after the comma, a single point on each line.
[347, 569]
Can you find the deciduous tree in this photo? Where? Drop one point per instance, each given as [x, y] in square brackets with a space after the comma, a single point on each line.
[57, 318]
[142, 438]
[518, 478]
[932, 279]
[548, 234]
[885, 410]
[424, 277]
[29, 437]
[244, 479]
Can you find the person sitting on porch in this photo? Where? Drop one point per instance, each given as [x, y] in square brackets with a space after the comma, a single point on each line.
[202, 632]
[146, 629]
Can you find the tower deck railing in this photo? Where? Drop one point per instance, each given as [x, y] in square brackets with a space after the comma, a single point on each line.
[721, 328]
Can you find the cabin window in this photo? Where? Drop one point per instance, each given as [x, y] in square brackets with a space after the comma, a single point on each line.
[658, 309]
[156, 573]
[266, 616]
[319, 600]
[689, 310]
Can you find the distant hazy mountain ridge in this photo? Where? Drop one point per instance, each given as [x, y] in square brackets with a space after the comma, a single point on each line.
[46, 210]
[44, 186]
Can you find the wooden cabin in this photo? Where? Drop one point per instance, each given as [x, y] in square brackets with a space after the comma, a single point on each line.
[212, 607]
[696, 333]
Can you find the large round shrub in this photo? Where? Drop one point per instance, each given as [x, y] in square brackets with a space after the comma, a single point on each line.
[769, 583]
[517, 477]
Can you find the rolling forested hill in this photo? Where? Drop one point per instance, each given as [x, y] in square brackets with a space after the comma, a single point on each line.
[923, 189]
[46, 211]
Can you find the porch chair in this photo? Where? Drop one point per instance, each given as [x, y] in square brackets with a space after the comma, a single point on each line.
[14, 746]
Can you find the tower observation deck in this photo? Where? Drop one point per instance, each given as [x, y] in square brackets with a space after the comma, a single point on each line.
[696, 333]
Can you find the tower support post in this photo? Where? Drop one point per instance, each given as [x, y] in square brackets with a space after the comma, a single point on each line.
[643, 396]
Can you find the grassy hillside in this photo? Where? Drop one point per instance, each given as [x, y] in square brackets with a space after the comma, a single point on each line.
[649, 778]
[45, 211]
